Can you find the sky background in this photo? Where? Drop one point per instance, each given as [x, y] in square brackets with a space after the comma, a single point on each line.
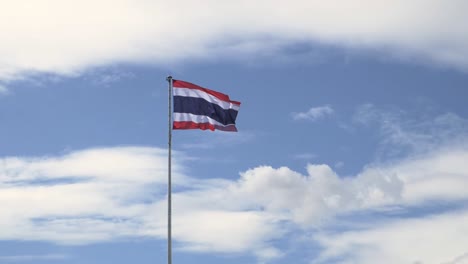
[352, 142]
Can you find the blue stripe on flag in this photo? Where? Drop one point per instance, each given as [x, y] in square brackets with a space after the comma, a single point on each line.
[199, 106]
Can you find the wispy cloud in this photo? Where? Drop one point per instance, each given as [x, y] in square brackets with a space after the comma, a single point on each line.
[339, 164]
[313, 113]
[366, 114]
[400, 132]
[107, 77]
[68, 47]
[3, 89]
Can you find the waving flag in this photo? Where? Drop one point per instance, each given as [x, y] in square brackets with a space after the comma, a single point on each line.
[196, 107]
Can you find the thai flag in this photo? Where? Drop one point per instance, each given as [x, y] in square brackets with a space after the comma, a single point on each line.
[196, 107]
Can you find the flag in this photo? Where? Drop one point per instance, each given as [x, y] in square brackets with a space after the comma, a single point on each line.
[196, 107]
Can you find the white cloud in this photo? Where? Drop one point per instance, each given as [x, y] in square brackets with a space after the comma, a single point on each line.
[429, 240]
[314, 113]
[67, 37]
[237, 228]
[310, 199]
[103, 194]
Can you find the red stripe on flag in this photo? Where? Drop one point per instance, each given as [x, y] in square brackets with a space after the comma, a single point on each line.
[202, 126]
[221, 96]
[192, 125]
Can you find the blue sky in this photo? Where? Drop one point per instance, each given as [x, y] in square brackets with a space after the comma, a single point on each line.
[352, 142]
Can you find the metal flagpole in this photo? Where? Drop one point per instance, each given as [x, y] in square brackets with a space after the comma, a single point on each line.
[169, 187]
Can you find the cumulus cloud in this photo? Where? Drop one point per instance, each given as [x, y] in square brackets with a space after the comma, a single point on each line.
[314, 113]
[104, 194]
[67, 37]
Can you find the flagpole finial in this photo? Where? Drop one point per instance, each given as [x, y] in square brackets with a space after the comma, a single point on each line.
[169, 78]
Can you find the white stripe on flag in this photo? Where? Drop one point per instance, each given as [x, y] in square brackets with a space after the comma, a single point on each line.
[208, 97]
[186, 117]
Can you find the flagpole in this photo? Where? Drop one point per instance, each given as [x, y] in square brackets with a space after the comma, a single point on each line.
[169, 184]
